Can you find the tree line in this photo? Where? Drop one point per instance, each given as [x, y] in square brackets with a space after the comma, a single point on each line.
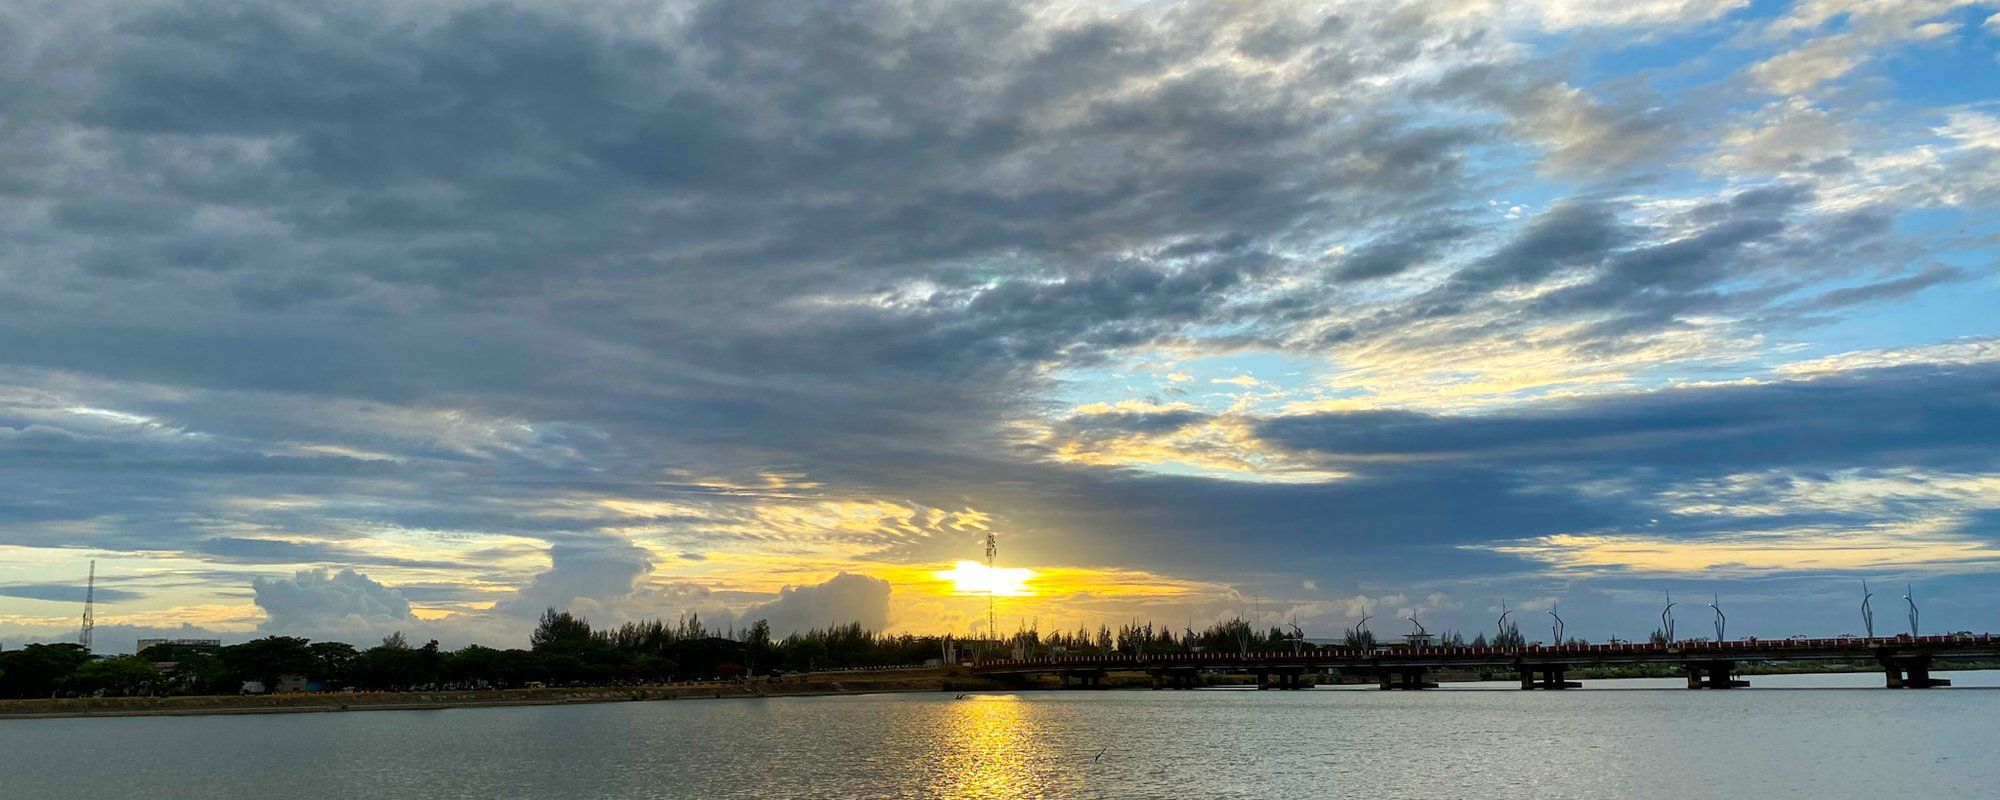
[565, 650]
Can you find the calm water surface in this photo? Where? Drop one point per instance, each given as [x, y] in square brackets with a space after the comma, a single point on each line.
[1824, 736]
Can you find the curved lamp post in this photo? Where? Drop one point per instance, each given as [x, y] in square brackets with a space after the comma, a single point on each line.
[1721, 620]
[1667, 618]
[1500, 627]
[1908, 593]
[1867, 613]
[1558, 628]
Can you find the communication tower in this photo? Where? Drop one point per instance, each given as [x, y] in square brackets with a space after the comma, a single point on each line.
[89, 608]
[992, 550]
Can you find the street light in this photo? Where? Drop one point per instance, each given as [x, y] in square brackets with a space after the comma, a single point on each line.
[1721, 620]
[1867, 613]
[1501, 626]
[1667, 618]
[1558, 629]
[1908, 592]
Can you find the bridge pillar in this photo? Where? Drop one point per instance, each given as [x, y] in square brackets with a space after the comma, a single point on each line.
[1713, 675]
[1910, 672]
[1404, 678]
[1176, 678]
[1085, 679]
[1547, 676]
[1282, 679]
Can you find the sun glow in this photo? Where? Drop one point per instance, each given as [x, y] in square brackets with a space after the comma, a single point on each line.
[972, 577]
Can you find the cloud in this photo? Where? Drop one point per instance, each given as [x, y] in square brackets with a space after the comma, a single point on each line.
[328, 603]
[842, 599]
[584, 575]
[1866, 30]
[1561, 14]
[66, 592]
[505, 304]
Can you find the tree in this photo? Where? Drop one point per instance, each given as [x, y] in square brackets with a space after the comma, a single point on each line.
[39, 670]
[390, 667]
[201, 673]
[122, 675]
[333, 662]
[478, 666]
[267, 659]
[559, 629]
[757, 645]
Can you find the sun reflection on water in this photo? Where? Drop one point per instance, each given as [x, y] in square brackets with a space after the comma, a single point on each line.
[989, 748]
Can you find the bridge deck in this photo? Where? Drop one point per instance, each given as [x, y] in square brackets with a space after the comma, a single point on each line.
[1957, 646]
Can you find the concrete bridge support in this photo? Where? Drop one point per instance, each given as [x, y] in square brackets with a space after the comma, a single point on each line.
[1083, 679]
[1713, 675]
[1282, 679]
[1546, 676]
[1404, 678]
[1910, 672]
[1176, 678]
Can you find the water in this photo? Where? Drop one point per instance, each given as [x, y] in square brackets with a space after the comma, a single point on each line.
[1611, 739]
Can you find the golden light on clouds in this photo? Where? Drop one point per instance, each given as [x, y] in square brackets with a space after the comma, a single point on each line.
[972, 577]
[1224, 446]
[1919, 544]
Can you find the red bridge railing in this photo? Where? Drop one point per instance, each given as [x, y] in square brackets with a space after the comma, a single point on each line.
[1859, 645]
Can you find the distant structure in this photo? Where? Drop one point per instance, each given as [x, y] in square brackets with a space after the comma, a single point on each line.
[1419, 637]
[89, 608]
[178, 648]
[196, 645]
[992, 550]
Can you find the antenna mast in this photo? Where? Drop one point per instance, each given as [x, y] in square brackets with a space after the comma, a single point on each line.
[992, 550]
[89, 608]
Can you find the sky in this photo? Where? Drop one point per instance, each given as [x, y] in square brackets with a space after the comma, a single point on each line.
[352, 317]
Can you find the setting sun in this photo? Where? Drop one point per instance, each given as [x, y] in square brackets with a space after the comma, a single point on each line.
[972, 577]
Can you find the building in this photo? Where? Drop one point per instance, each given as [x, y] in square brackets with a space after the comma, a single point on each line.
[179, 648]
[193, 645]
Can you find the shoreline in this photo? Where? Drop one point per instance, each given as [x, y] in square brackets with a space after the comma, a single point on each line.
[817, 685]
[825, 684]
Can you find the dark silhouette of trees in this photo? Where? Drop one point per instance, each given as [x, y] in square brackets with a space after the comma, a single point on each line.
[39, 670]
[268, 659]
[117, 676]
[565, 649]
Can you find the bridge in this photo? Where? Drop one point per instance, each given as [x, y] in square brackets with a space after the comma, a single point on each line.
[1906, 661]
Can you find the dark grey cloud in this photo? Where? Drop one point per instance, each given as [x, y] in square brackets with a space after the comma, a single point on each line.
[66, 592]
[283, 278]
[1400, 251]
[1917, 416]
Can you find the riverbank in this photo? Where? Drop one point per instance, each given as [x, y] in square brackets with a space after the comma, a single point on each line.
[930, 680]
[811, 685]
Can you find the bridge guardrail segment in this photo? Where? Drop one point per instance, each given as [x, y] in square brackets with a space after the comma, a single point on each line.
[1622, 652]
